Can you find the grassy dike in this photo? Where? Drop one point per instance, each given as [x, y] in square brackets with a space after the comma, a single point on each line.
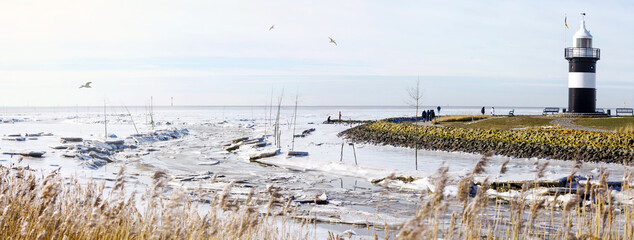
[621, 124]
[550, 143]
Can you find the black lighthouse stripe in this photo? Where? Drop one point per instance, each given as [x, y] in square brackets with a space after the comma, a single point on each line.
[579, 64]
[582, 100]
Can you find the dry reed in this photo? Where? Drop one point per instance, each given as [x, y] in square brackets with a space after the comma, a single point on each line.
[50, 207]
[626, 130]
[590, 212]
[459, 118]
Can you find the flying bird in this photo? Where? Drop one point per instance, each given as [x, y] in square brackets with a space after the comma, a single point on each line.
[332, 41]
[87, 85]
[272, 26]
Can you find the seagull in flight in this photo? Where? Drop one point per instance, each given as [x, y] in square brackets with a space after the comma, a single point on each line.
[87, 85]
[332, 41]
[272, 26]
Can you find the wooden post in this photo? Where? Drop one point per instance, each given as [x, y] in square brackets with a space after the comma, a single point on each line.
[416, 156]
[131, 118]
[355, 154]
[152, 111]
[294, 122]
[105, 120]
[341, 157]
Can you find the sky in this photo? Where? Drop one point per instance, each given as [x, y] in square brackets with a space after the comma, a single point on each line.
[464, 53]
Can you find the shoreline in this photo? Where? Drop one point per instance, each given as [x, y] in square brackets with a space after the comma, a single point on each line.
[585, 146]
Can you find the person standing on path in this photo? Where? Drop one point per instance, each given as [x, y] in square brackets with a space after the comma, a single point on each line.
[339, 116]
[492, 111]
[482, 111]
[424, 116]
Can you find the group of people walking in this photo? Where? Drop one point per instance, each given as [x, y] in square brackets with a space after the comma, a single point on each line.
[428, 115]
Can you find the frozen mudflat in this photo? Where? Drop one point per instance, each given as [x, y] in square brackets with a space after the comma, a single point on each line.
[190, 144]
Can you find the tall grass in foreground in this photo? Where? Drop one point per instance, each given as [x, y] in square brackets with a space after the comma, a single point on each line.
[48, 207]
[588, 212]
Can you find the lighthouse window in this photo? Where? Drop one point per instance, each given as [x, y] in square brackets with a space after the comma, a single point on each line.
[584, 42]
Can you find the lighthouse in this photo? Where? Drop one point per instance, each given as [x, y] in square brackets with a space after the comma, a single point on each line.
[582, 60]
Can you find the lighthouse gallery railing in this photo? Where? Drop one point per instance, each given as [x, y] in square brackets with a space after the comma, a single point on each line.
[582, 52]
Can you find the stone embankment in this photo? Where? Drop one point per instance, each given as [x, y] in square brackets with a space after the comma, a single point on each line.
[539, 143]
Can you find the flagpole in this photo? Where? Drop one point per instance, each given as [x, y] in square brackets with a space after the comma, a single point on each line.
[566, 30]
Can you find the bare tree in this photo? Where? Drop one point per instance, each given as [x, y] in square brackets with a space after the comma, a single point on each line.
[415, 96]
[415, 99]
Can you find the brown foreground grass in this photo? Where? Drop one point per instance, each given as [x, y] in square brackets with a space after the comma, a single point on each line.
[589, 213]
[48, 207]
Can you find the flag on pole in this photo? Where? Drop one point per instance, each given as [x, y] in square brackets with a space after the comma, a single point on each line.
[566, 22]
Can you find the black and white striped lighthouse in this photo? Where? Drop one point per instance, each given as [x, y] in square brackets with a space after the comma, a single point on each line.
[582, 60]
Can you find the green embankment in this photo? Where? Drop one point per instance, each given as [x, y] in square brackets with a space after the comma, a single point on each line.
[503, 123]
[495, 135]
[613, 123]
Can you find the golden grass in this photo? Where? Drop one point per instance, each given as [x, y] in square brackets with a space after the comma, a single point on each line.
[460, 118]
[590, 213]
[627, 129]
[51, 208]
[609, 123]
[505, 122]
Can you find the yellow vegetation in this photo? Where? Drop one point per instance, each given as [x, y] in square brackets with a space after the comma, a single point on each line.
[554, 137]
[587, 213]
[626, 130]
[52, 208]
[460, 118]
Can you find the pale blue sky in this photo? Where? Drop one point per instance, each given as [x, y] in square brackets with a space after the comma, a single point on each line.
[502, 53]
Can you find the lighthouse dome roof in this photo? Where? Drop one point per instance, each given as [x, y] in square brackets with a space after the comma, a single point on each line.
[583, 32]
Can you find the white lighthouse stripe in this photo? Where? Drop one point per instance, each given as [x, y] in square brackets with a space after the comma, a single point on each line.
[581, 80]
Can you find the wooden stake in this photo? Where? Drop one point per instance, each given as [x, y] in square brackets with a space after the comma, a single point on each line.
[294, 122]
[105, 120]
[152, 111]
[131, 118]
[341, 158]
[416, 156]
[355, 154]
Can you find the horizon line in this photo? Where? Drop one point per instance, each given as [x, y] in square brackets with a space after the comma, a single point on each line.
[249, 106]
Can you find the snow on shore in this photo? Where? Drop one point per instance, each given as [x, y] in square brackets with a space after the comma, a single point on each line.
[194, 156]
